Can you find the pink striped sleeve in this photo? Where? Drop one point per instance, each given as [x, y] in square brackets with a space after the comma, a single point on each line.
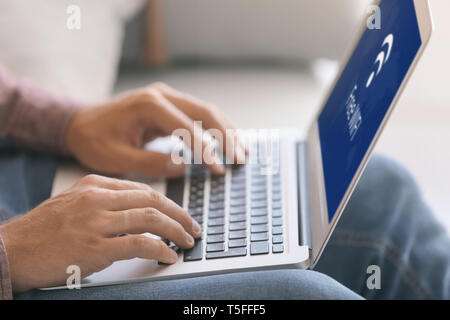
[5, 279]
[33, 118]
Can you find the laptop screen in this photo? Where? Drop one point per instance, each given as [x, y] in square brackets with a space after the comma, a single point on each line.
[363, 95]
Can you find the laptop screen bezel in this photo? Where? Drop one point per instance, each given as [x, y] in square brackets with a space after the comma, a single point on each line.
[321, 227]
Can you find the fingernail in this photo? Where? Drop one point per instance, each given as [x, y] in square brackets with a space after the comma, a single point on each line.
[240, 155]
[220, 169]
[173, 257]
[190, 240]
[196, 227]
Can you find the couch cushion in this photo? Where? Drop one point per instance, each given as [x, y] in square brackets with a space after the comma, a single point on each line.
[35, 43]
[261, 29]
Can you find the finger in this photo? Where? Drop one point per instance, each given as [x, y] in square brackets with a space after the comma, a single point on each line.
[171, 120]
[132, 199]
[151, 163]
[139, 246]
[211, 118]
[111, 183]
[142, 220]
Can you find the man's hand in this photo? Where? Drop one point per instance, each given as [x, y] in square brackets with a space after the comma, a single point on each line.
[109, 138]
[82, 227]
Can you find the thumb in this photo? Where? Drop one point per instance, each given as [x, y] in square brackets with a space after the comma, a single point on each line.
[152, 163]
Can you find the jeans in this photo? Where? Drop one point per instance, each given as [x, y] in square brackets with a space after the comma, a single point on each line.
[386, 223]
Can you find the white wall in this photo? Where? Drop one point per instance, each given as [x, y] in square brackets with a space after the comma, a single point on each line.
[289, 29]
[418, 134]
[431, 81]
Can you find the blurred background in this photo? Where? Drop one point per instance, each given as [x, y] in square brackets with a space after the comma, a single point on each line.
[265, 63]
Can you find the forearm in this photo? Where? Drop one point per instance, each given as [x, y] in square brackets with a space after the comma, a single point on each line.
[33, 118]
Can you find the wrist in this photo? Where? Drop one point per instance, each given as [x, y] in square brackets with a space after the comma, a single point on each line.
[70, 134]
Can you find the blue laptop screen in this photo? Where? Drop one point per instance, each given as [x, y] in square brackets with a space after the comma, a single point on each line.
[363, 95]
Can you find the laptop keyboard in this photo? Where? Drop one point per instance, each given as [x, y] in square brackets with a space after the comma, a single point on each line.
[244, 214]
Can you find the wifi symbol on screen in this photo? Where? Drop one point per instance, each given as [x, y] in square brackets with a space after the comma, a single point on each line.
[382, 58]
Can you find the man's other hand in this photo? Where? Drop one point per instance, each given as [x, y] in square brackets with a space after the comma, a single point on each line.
[96, 222]
[109, 138]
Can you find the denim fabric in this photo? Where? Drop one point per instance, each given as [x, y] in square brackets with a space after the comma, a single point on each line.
[25, 179]
[386, 223]
[264, 285]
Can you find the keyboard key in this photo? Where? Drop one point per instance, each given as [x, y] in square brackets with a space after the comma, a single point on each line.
[277, 248]
[237, 243]
[277, 230]
[259, 204]
[277, 239]
[237, 194]
[261, 247]
[193, 205]
[238, 187]
[238, 169]
[194, 254]
[259, 212]
[259, 188]
[259, 196]
[237, 234]
[217, 205]
[238, 210]
[217, 190]
[175, 190]
[263, 236]
[217, 198]
[196, 212]
[276, 178]
[193, 189]
[259, 180]
[215, 238]
[276, 189]
[232, 252]
[199, 219]
[215, 247]
[238, 226]
[237, 202]
[277, 213]
[217, 180]
[259, 228]
[238, 179]
[277, 222]
[276, 197]
[276, 205]
[216, 230]
[216, 222]
[260, 220]
[238, 218]
[216, 213]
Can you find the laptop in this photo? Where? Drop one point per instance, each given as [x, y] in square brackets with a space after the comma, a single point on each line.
[280, 208]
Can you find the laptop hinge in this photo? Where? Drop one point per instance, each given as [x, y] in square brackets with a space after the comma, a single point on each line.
[304, 212]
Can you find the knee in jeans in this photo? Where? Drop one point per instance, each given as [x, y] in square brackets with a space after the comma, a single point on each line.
[380, 196]
[383, 173]
[307, 284]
